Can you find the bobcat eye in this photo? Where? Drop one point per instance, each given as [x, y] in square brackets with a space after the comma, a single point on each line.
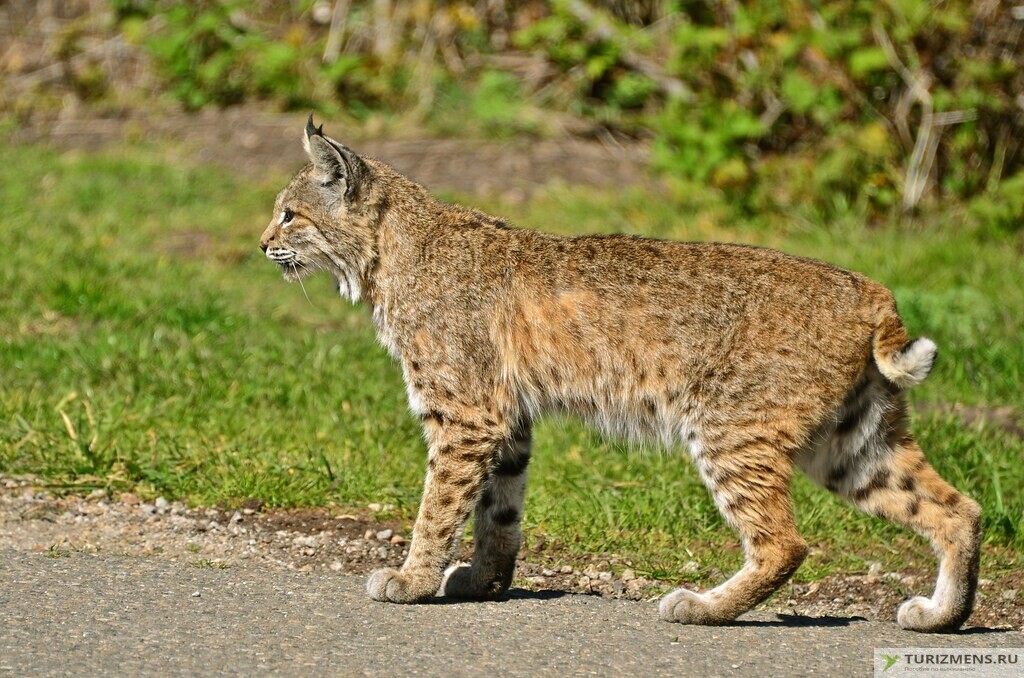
[286, 216]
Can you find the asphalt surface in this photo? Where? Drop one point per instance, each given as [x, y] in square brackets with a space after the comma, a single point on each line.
[97, 615]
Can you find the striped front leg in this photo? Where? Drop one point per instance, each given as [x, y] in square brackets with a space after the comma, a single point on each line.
[461, 454]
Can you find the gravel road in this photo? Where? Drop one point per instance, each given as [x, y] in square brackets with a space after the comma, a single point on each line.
[88, 614]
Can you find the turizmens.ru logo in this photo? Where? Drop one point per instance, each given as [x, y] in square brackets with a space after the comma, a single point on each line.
[994, 662]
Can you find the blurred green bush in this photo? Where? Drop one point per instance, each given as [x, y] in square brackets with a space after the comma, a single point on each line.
[834, 106]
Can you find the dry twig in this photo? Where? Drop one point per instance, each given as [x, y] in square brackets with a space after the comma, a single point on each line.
[600, 29]
[929, 130]
[339, 17]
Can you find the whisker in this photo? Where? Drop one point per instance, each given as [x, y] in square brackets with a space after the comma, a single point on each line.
[295, 266]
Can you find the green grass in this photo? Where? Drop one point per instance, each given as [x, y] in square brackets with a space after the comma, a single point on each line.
[146, 344]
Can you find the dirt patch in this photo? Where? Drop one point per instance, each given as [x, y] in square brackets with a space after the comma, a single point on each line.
[360, 540]
[1008, 419]
[188, 244]
[43, 322]
[259, 143]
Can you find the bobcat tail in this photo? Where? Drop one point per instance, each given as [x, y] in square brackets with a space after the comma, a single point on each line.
[904, 362]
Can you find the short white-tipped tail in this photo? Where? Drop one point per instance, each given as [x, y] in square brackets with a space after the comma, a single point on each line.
[910, 365]
[903, 362]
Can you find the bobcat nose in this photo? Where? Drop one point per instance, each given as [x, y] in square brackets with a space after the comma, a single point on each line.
[267, 237]
[265, 241]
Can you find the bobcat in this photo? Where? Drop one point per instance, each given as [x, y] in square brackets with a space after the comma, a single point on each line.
[753, 360]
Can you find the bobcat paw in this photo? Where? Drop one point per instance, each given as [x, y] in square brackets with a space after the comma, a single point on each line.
[923, 615]
[460, 582]
[688, 607]
[391, 586]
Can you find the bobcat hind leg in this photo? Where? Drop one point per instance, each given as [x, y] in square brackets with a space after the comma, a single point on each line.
[870, 460]
[751, 488]
[906, 490]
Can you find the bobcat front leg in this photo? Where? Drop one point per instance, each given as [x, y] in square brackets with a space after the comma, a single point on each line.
[496, 535]
[460, 454]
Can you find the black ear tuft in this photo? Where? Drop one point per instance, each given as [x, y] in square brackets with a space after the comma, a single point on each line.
[312, 130]
[333, 161]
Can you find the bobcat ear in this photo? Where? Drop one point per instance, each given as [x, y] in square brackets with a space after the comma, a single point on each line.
[332, 161]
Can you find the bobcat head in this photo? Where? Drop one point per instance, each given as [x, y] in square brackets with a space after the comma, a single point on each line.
[326, 218]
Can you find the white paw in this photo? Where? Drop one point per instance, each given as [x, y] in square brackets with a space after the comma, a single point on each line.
[391, 586]
[922, 614]
[687, 607]
[377, 584]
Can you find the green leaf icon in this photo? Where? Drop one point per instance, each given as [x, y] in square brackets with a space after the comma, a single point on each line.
[890, 659]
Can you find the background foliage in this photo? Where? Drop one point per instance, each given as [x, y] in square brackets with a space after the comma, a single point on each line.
[856, 103]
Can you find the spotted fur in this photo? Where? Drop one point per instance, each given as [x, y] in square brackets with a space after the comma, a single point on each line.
[753, 361]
